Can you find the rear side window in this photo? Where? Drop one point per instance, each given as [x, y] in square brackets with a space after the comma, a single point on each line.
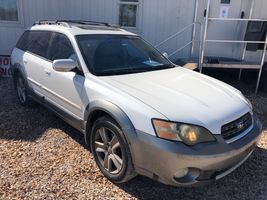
[23, 41]
[61, 48]
[38, 42]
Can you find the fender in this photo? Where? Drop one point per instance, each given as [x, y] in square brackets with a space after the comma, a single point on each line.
[114, 111]
[118, 115]
[17, 67]
[20, 69]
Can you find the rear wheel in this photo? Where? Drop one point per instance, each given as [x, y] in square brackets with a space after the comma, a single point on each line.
[22, 90]
[110, 150]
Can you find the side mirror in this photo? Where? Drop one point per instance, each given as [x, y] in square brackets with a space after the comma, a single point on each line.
[63, 65]
[165, 55]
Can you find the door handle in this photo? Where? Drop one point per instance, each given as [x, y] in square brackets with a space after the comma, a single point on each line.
[25, 61]
[48, 72]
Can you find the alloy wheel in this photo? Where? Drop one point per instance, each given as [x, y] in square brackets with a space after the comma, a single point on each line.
[21, 90]
[108, 150]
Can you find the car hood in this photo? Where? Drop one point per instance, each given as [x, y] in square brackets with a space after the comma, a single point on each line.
[184, 96]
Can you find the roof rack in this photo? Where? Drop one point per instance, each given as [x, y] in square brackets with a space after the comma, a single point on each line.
[84, 22]
[68, 23]
[51, 22]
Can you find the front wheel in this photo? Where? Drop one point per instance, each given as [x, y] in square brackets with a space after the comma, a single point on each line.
[110, 150]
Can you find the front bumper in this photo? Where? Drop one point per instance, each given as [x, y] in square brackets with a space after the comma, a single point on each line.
[161, 159]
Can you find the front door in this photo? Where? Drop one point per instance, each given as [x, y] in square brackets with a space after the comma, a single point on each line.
[34, 56]
[63, 89]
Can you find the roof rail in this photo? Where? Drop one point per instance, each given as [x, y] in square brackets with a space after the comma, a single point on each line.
[84, 22]
[68, 23]
[51, 22]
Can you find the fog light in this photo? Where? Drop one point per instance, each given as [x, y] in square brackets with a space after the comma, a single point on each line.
[181, 173]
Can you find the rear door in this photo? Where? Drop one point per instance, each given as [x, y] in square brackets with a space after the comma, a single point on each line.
[63, 89]
[34, 58]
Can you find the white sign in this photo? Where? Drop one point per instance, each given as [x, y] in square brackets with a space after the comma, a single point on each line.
[5, 70]
[224, 11]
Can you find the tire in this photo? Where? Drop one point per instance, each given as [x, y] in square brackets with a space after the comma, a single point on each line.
[110, 150]
[22, 90]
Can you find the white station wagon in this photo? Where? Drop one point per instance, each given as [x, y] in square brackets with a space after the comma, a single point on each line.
[139, 112]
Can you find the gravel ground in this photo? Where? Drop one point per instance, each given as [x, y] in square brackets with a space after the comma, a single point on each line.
[41, 157]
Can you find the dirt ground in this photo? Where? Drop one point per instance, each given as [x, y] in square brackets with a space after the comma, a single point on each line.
[41, 157]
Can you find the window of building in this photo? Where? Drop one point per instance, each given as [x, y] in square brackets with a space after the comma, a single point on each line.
[9, 10]
[128, 13]
[225, 1]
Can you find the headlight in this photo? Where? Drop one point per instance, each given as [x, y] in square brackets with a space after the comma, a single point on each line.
[189, 134]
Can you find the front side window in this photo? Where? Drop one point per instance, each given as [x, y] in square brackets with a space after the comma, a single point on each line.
[128, 13]
[61, 48]
[114, 55]
[8, 10]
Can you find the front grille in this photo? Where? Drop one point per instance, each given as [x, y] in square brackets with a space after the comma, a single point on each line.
[236, 127]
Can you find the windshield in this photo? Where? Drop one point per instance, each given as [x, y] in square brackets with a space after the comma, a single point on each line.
[115, 54]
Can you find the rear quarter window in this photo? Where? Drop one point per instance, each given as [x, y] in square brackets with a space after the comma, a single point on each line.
[38, 42]
[23, 41]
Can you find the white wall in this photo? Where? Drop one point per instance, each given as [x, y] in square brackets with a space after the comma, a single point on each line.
[162, 19]
[33, 10]
[158, 19]
[231, 30]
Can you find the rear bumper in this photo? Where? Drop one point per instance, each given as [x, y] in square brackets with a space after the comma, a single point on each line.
[161, 159]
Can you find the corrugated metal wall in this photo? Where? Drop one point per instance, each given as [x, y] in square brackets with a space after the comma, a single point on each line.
[162, 19]
[33, 10]
[158, 20]
[260, 12]
[223, 30]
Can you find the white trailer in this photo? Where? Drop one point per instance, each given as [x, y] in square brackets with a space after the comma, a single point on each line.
[179, 26]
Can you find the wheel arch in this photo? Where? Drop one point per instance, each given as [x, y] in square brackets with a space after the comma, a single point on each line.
[99, 108]
[17, 69]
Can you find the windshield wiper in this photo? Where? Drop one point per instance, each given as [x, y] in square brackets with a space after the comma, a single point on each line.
[114, 72]
[111, 72]
[153, 68]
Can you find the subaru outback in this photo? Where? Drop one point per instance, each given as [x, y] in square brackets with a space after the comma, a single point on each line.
[139, 112]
